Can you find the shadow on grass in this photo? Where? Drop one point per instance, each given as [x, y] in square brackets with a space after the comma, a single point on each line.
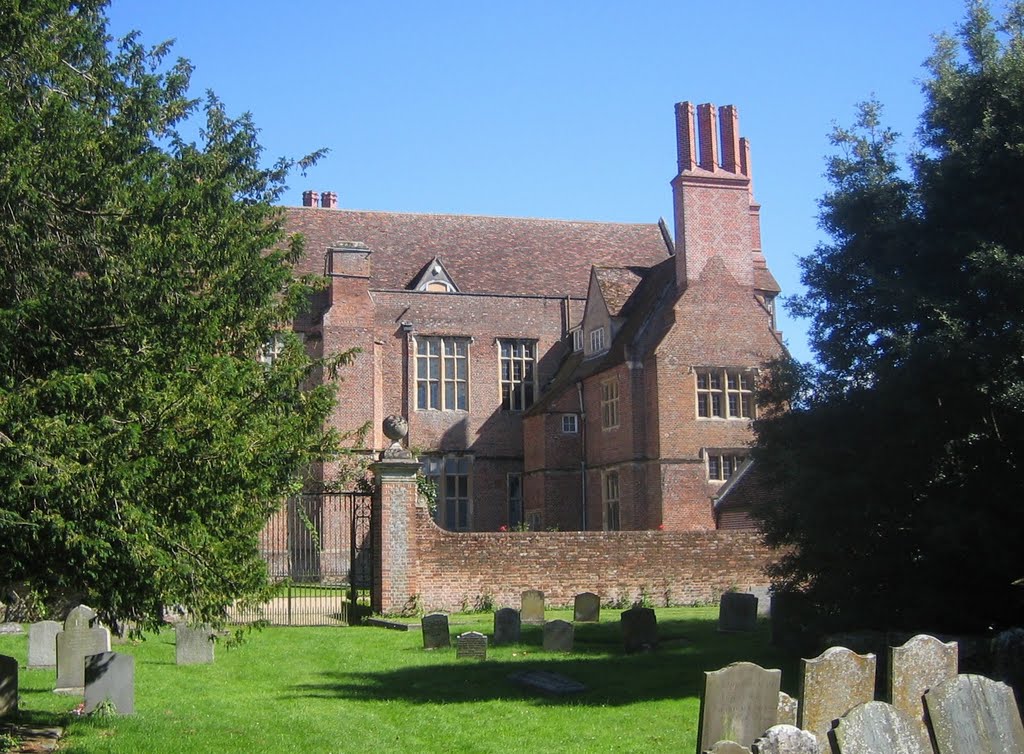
[612, 678]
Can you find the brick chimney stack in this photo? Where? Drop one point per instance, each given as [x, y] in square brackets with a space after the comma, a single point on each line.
[715, 213]
[309, 198]
[329, 200]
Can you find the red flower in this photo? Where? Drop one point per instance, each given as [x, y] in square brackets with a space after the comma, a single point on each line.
[503, 528]
[661, 527]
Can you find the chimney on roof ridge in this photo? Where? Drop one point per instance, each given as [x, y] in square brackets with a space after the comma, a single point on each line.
[329, 200]
[708, 135]
[730, 128]
[309, 198]
[685, 142]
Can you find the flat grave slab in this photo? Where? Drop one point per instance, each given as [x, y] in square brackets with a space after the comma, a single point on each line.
[547, 682]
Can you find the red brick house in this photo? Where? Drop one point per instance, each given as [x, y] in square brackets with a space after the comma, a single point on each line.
[559, 373]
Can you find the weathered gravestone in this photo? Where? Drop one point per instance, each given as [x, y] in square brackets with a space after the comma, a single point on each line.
[435, 631]
[877, 727]
[193, 645]
[787, 709]
[920, 664]
[727, 747]
[831, 685]
[785, 739]
[78, 640]
[971, 714]
[737, 611]
[110, 677]
[586, 608]
[8, 685]
[42, 644]
[548, 682]
[471, 645]
[558, 636]
[11, 628]
[532, 606]
[738, 703]
[639, 629]
[506, 626]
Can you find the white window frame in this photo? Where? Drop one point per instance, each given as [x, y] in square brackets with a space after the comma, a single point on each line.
[597, 340]
[445, 370]
[722, 465]
[570, 424]
[271, 350]
[452, 475]
[577, 339]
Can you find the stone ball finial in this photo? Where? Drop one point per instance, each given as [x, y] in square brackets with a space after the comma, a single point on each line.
[395, 427]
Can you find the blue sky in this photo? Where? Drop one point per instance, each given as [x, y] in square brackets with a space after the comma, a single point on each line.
[552, 109]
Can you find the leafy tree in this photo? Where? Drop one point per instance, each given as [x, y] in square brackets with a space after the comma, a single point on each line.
[898, 467]
[142, 443]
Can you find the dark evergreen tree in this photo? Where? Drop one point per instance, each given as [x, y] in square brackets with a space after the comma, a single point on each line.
[899, 466]
[142, 443]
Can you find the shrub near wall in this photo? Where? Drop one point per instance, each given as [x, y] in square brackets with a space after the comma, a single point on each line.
[456, 568]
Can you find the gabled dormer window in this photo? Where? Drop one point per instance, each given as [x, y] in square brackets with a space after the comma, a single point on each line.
[597, 340]
[577, 339]
[434, 278]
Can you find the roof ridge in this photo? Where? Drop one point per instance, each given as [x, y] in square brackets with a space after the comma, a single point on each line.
[406, 213]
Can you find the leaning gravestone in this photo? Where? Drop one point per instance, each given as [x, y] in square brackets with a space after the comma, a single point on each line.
[532, 606]
[831, 685]
[42, 644]
[110, 676]
[785, 739]
[8, 685]
[787, 709]
[558, 636]
[193, 645]
[737, 612]
[639, 629]
[877, 727]
[78, 640]
[920, 664]
[435, 631]
[738, 703]
[471, 645]
[971, 714]
[506, 626]
[586, 608]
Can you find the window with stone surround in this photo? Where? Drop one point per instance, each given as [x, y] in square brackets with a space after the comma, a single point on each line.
[570, 424]
[611, 500]
[725, 393]
[442, 373]
[610, 404]
[722, 465]
[452, 476]
[518, 374]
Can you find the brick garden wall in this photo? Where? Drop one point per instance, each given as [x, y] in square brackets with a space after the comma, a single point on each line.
[457, 568]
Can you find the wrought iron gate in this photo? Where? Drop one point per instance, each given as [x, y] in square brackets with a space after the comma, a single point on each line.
[319, 550]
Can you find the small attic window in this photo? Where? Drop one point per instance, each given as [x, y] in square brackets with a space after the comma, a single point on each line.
[577, 339]
[434, 278]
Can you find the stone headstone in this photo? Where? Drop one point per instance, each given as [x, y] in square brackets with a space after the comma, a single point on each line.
[831, 685]
[110, 676]
[42, 644]
[785, 739]
[921, 663]
[8, 685]
[11, 628]
[738, 703]
[193, 645]
[639, 629]
[435, 631]
[971, 714]
[532, 606]
[787, 709]
[586, 608]
[78, 640]
[471, 645]
[558, 636]
[728, 747]
[877, 727]
[737, 611]
[506, 626]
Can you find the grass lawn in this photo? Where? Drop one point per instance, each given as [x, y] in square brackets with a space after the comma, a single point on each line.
[373, 689]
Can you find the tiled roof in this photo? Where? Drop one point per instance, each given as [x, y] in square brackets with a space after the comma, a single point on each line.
[745, 489]
[617, 285]
[502, 255]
